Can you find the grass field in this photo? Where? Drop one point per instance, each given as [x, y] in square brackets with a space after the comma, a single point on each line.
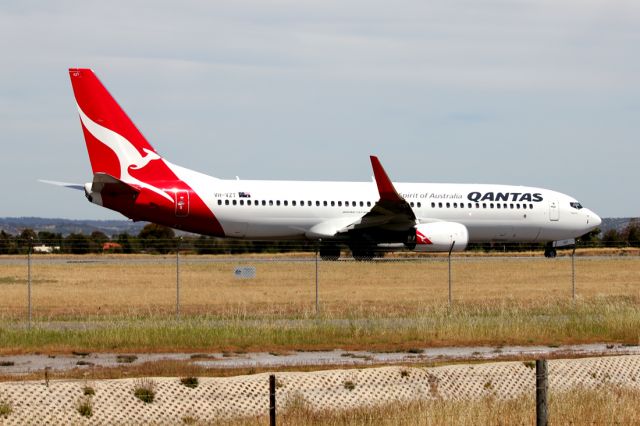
[608, 405]
[128, 303]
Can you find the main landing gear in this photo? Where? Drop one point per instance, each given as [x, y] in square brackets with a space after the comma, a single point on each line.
[329, 251]
[550, 251]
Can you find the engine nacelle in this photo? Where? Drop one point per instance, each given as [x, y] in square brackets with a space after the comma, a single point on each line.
[438, 236]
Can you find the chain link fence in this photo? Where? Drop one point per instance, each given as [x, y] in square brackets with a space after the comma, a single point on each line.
[291, 278]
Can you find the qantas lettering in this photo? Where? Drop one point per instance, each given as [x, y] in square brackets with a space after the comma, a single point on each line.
[505, 196]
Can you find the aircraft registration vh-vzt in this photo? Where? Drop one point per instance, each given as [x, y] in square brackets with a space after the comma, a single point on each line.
[130, 177]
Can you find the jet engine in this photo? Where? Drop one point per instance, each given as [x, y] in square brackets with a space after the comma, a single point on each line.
[438, 236]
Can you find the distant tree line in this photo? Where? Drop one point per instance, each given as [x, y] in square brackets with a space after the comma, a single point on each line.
[162, 240]
[156, 239]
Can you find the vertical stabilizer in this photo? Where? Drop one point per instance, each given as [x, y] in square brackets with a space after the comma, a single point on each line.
[113, 141]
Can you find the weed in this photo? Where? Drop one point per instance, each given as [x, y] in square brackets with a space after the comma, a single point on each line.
[145, 390]
[85, 406]
[81, 353]
[190, 382]
[529, 364]
[349, 385]
[82, 362]
[415, 351]
[7, 363]
[488, 385]
[189, 420]
[88, 390]
[5, 408]
[404, 373]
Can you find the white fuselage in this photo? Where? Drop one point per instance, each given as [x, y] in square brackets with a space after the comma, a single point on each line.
[298, 209]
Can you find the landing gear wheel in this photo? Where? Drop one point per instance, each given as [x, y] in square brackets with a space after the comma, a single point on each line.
[363, 253]
[550, 252]
[330, 252]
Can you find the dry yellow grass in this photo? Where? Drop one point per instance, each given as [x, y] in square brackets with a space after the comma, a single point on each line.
[147, 285]
[129, 304]
[606, 405]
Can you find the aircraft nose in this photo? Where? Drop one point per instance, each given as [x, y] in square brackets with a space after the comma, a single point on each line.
[593, 219]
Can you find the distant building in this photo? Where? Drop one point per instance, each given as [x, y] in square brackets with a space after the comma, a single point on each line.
[45, 249]
[111, 246]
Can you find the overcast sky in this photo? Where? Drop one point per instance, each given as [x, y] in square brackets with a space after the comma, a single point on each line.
[526, 92]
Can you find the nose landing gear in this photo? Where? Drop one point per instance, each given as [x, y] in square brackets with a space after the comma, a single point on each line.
[550, 251]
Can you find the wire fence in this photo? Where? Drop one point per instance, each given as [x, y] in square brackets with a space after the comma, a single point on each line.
[290, 277]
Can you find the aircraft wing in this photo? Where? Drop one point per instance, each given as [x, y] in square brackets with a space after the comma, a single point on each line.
[391, 212]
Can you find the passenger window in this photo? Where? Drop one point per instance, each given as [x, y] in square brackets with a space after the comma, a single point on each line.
[318, 203]
[286, 203]
[419, 204]
[219, 202]
[242, 202]
[361, 204]
[368, 203]
[490, 205]
[524, 206]
[433, 205]
[477, 205]
[455, 205]
[226, 202]
[511, 206]
[339, 203]
[469, 205]
[333, 203]
[270, 202]
[248, 202]
[293, 203]
[234, 202]
[518, 206]
[531, 206]
[411, 204]
[277, 202]
[498, 205]
[484, 205]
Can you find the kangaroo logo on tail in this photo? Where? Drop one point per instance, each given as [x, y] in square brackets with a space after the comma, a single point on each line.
[128, 155]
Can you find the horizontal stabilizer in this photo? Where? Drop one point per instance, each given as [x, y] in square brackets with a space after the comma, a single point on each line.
[77, 186]
[106, 184]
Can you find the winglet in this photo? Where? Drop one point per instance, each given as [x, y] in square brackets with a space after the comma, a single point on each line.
[385, 187]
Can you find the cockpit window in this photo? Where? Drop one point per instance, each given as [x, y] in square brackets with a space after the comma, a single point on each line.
[576, 205]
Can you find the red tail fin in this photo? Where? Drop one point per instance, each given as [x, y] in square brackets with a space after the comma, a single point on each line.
[113, 141]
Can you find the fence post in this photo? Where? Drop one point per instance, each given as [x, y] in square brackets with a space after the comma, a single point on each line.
[272, 400]
[450, 250]
[29, 279]
[541, 392]
[317, 301]
[573, 273]
[178, 278]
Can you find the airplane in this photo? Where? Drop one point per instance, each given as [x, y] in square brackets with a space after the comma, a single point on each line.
[131, 177]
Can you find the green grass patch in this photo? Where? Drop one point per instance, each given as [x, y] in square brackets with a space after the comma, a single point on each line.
[553, 323]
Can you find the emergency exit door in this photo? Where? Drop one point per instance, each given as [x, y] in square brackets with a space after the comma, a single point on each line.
[554, 210]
